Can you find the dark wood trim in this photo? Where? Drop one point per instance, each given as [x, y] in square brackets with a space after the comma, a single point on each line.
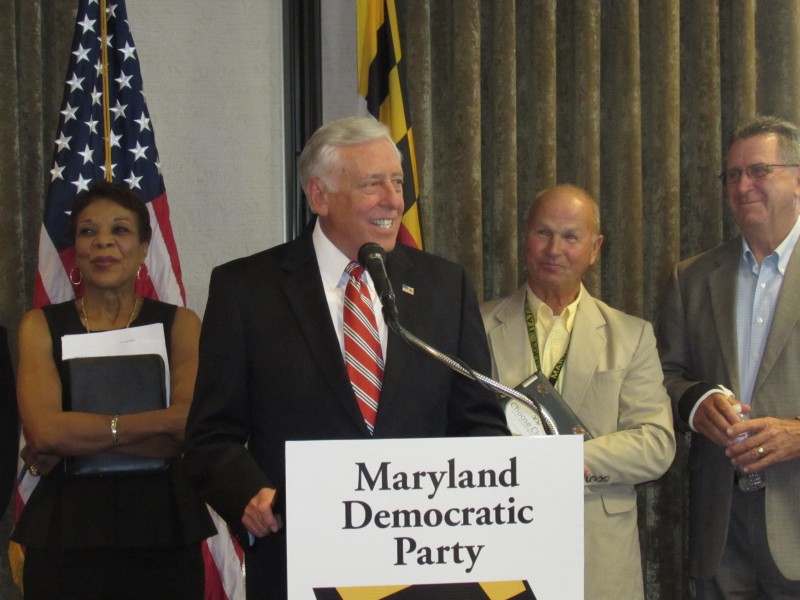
[303, 98]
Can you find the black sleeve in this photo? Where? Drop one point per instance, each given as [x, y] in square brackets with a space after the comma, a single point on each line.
[218, 427]
[9, 424]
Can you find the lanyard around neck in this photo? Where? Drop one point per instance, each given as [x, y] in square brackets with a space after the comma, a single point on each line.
[530, 320]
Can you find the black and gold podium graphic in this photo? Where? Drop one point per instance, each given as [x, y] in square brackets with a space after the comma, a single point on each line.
[494, 590]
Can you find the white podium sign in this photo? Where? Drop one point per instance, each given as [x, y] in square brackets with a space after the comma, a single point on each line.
[503, 515]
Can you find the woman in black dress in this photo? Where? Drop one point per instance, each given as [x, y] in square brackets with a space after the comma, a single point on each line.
[127, 535]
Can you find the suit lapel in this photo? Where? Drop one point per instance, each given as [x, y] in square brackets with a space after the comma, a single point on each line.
[509, 340]
[398, 266]
[722, 298]
[587, 344]
[787, 313]
[306, 296]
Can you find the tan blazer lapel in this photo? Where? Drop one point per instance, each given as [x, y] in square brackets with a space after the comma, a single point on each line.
[509, 340]
[587, 343]
[722, 297]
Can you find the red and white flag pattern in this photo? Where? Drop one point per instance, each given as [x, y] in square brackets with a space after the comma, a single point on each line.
[105, 132]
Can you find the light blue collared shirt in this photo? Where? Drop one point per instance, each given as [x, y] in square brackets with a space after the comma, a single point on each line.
[757, 291]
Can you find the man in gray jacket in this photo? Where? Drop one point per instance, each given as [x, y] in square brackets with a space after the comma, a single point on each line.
[730, 333]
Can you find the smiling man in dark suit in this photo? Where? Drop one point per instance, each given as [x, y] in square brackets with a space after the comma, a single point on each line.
[272, 349]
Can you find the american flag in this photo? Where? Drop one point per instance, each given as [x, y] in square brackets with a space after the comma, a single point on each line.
[105, 132]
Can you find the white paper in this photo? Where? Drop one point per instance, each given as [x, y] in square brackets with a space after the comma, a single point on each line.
[147, 339]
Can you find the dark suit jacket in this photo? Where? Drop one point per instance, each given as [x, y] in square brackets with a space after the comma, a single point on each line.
[9, 424]
[697, 342]
[271, 370]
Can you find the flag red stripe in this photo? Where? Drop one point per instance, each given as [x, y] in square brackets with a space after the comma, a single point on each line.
[214, 588]
[161, 210]
[405, 237]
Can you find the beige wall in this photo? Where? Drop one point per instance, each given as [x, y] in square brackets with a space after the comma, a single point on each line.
[339, 58]
[213, 76]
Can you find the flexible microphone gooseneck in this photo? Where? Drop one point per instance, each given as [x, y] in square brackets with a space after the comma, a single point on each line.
[372, 257]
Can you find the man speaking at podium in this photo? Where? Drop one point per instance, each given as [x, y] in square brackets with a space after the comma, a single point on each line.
[294, 345]
[605, 365]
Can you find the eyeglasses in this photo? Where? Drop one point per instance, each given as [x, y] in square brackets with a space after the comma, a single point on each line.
[756, 171]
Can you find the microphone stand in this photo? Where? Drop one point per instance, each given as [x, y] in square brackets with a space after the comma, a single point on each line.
[372, 257]
[459, 367]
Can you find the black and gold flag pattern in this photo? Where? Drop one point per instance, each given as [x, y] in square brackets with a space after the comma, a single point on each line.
[494, 590]
[381, 84]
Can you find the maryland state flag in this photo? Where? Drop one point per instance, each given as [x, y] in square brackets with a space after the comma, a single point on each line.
[381, 89]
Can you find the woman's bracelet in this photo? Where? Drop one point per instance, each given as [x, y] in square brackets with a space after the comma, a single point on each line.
[114, 432]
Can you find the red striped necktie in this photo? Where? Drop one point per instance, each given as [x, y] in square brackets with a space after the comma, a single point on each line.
[362, 345]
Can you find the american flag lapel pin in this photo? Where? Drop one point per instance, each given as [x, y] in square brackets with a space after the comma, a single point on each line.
[407, 289]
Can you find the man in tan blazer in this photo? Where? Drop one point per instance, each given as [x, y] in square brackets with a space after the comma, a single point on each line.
[729, 333]
[606, 367]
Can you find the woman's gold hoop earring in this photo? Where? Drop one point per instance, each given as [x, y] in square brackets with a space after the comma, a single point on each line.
[139, 273]
[72, 276]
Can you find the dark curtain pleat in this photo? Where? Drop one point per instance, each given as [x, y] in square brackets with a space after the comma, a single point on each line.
[536, 114]
[659, 29]
[34, 42]
[499, 148]
[701, 153]
[663, 514]
[578, 102]
[11, 271]
[778, 58]
[738, 63]
[456, 108]
[738, 76]
[621, 156]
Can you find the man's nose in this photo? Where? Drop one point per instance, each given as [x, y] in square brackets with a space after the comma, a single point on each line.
[390, 192]
[745, 182]
[554, 245]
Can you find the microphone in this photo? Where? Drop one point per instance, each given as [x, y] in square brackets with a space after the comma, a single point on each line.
[372, 257]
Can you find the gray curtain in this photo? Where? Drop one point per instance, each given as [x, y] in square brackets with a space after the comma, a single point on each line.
[35, 39]
[633, 100]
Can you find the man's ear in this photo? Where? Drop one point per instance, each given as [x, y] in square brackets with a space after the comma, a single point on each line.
[317, 200]
[596, 243]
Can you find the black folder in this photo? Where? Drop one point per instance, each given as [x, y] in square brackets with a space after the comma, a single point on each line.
[116, 385]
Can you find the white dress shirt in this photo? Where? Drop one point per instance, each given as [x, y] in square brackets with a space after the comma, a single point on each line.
[332, 264]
